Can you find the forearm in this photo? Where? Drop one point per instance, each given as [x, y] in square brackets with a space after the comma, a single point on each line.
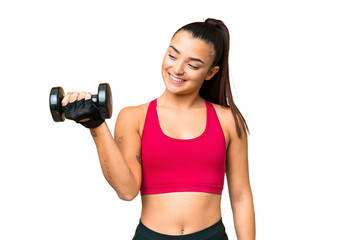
[114, 167]
[244, 219]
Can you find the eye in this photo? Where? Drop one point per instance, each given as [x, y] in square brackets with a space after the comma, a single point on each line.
[172, 57]
[193, 67]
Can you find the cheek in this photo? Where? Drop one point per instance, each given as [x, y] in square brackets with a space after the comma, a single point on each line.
[198, 75]
[165, 67]
[166, 63]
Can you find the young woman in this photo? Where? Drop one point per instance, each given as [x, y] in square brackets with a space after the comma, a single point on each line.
[176, 149]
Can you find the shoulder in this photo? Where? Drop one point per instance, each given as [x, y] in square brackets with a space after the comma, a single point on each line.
[132, 116]
[224, 114]
[226, 120]
[133, 111]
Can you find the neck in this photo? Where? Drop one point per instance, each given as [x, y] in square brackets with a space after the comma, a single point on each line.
[181, 102]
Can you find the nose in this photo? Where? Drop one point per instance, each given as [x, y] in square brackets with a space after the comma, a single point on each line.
[178, 67]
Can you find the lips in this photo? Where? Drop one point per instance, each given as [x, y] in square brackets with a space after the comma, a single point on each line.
[175, 79]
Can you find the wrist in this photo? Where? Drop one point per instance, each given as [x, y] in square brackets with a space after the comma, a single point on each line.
[99, 130]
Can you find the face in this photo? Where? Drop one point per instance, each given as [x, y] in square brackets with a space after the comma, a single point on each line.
[187, 64]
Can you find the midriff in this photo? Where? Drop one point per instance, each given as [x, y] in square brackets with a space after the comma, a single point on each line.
[180, 213]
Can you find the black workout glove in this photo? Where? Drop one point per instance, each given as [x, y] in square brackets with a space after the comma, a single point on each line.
[82, 109]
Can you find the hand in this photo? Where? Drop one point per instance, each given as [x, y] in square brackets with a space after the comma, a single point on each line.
[75, 96]
[80, 108]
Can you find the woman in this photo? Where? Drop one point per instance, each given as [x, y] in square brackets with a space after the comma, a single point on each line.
[176, 149]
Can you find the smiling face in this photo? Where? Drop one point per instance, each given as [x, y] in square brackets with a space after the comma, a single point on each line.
[187, 64]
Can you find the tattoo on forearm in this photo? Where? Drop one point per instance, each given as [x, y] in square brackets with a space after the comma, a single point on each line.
[93, 133]
[107, 169]
[120, 139]
[138, 158]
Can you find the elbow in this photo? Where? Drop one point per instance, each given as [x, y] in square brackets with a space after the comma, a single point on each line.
[127, 196]
[127, 192]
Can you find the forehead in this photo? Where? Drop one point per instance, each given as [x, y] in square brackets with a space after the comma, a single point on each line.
[192, 47]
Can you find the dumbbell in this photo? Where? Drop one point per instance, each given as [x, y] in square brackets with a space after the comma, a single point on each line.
[103, 100]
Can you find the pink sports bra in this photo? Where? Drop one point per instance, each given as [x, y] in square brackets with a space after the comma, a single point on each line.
[182, 165]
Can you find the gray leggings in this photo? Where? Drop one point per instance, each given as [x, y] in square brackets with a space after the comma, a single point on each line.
[214, 232]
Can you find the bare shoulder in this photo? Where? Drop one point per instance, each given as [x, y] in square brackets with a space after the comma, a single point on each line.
[226, 120]
[132, 116]
[224, 113]
[133, 112]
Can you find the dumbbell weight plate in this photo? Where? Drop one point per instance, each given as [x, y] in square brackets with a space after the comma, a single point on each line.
[105, 100]
[56, 95]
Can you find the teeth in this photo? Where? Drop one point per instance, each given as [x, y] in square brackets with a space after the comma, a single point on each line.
[176, 79]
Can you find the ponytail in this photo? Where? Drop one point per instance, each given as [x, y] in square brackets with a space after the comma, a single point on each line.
[218, 90]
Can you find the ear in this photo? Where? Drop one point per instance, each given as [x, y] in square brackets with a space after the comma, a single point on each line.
[212, 72]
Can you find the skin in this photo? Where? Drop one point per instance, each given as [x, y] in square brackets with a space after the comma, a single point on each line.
[182, 115]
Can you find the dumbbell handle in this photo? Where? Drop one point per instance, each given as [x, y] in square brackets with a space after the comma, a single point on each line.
[94, 98]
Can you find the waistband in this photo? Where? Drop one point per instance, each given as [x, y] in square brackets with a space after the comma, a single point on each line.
[214, 230]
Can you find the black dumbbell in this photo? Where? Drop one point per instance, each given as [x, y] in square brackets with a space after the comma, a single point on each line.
[103, 100]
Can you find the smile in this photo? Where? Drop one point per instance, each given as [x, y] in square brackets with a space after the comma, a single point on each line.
[175, 79]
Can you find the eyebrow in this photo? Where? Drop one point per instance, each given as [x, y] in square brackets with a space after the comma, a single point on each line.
[191, 58]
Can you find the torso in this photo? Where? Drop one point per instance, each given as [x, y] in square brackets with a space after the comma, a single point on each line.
[181, 213]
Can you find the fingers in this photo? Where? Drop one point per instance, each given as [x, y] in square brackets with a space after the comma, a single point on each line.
[88, 96]
[66, 99]
[81, 95]
[74, 96]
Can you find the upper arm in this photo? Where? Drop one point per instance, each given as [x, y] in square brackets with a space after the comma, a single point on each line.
[237, 170]
[128, 139]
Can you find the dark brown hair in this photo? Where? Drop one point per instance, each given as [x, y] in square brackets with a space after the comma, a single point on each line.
[217, 90]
